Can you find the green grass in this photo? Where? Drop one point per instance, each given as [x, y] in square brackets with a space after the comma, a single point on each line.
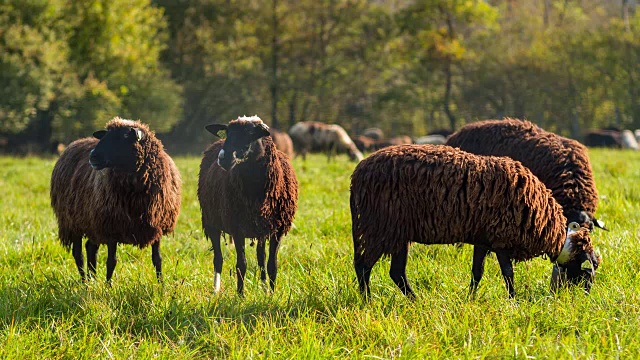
[316, 311]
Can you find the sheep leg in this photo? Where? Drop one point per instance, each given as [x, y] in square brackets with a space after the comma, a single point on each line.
[92, 257]
[261, 260]
[76, 250]
[363, 272]
[214, 235]
[272, 265]
[477, 268]
[157, 260]
[507, 271]
[241, 262]
[398, 272]
[112, 247]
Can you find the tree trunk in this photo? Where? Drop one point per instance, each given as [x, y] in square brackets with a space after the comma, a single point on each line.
[274, 65]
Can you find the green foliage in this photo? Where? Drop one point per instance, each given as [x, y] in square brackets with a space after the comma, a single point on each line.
[409, 67]
[46, 312]
[82, 63]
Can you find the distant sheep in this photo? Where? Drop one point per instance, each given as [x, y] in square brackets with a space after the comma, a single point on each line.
[319, 137]
[246, 189]
[603, 138]
[431, 139]
[120, 189]
[561, 164]
[397, 140]
[283, 142]
[436, 194]
[628, 140]
[364, 143]
[374, 133]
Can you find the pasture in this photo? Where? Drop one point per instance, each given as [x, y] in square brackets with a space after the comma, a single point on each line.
[316, 311]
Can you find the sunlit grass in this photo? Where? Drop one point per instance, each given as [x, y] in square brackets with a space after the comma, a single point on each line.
[46, 312]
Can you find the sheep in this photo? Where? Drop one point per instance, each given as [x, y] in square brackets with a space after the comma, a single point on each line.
[315, 136]
[628, 140]
[436, 194]
[373, 133]
[283, 142]
[603, 138]
[364, 143]
[247, 189]
[431, 139]
[119, 187]
[397, 140]
[562, 164]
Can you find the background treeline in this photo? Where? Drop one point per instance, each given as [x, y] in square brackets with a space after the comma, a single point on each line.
[409, 67]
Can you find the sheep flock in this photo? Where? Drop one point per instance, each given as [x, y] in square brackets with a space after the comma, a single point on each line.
[503, 186]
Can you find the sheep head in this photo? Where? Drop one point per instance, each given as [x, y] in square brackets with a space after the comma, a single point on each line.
[242, 140]
[585, 219]
[577, 262]
[119, 146]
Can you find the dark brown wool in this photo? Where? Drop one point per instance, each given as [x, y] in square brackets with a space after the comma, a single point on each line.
[282, 141]
[257, 199]
[107, 205]
[561, 164]
[435, 194]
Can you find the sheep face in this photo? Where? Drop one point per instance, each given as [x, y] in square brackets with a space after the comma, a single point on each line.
[585, 219]
[578, 261]
[118, 149]
[241, 141]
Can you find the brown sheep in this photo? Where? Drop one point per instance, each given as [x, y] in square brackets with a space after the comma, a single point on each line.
[283, 142]
[120, 189]
[562, 164]
[331, 139]
[364, 143]
[373, 133]
[435, 194]
[246, 189]
[397, 140]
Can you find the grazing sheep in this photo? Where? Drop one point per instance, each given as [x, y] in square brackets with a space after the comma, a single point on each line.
[246, 189]
[120, 189]
[562, 164]
[436, 194]
[431, 139]
[636, 133]
[318, 137]
[628, 140]
[283, 142]
[364, 143]
[398, 140]
[603, 138]
[373, 133]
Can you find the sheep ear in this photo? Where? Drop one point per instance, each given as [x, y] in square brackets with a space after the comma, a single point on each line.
[260, 131]
[139, 133]
[215, 129]
[99, 134]
[600, 224]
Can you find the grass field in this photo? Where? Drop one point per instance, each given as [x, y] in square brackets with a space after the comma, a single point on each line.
[316, 311]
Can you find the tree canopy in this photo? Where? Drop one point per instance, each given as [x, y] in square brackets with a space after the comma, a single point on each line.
[407, 66]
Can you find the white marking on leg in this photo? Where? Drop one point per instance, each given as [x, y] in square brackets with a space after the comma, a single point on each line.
[216, 282]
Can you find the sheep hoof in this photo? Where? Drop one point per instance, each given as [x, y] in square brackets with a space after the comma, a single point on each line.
[216, 283]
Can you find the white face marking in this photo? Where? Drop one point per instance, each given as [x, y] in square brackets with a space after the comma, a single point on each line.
[565, 253]
[216, 282]
[220, 156]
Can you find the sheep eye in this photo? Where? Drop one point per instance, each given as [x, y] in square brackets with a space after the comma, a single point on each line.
[574, 226]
